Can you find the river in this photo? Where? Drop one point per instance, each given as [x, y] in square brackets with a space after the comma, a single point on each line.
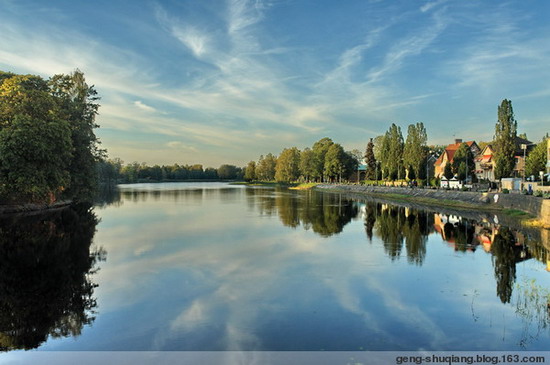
[210, 266]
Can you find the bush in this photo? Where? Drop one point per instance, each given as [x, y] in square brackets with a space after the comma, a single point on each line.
[538, 193]
[505, 191]
[546, 195]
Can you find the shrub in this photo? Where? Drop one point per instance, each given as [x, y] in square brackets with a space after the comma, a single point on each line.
[505, 191]
[538, 193]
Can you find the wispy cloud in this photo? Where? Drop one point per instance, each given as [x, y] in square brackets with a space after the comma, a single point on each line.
[143, 106]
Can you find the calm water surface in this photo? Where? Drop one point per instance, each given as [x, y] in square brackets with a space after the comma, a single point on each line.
[216, 267]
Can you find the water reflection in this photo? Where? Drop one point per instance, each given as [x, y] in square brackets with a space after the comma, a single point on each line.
[324, 214]
[289, 270]
[45, 287]
[403, 230]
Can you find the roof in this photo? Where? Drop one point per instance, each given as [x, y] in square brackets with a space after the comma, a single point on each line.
[450, 151]
[486, 155]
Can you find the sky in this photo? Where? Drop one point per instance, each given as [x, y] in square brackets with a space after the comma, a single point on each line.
[225, 81]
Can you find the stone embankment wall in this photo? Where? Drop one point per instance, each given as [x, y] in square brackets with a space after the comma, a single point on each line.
[536, 206]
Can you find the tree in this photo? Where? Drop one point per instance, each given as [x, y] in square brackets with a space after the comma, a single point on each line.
[320, 149]
[448, 171]
[504, 140]
[463, 162]
[35, 142]
[377, 148]
[265, 168]
[250, 171]
[228, 172]
[78, 101]
[307, 164]
[536, 160]
[414, 151]
[392, 158]
[334, 162]
[287, 168]
[370, 161]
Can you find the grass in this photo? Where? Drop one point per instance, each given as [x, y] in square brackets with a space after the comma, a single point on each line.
[517, 213]
[265, 183]
[304, 186]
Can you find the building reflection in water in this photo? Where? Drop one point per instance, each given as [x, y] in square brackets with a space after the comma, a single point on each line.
[45, 284]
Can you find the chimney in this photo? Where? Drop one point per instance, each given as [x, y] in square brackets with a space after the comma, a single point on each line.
[458, 140]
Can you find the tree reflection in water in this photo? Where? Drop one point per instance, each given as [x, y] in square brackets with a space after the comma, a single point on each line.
[45, 288]
[397, 226]
[324, 214]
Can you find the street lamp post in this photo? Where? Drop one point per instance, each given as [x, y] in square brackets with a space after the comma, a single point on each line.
[428, 168]
[524, 148]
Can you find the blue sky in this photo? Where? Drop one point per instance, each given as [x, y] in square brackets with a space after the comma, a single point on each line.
[224, 81]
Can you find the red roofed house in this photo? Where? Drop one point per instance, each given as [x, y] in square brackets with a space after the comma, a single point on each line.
[448, 154]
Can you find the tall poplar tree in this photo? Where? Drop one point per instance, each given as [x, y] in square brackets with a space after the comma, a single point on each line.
[392, 153]
[414, 151]
[504, 140]
[371, 161]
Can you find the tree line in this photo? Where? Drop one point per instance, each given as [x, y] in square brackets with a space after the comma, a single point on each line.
[325, 161]
[48, 149]
[113, 171]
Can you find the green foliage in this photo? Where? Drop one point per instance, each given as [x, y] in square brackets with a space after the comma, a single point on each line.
[229, 172]
[391, 159]
[320, 149]
[504, 142]
[287, 168]
[463, 162]
[78, 102]
[307, 164]
[448, 171]
[334, 162]
[34, 156]
[536, 160]
[415, 149]
[47, 141]
[371, 161]
[265, 168]
[250, 171]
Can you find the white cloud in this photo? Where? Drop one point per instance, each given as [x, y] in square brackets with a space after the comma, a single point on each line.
[431, 4]
[143, 106]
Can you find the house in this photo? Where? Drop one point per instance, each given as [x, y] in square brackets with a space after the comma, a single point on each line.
[359, 174]
[485, 164]
[485, 161]
[448, 154]
[523, 147]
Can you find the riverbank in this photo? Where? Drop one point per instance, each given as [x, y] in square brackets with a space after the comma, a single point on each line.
[530, 210]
